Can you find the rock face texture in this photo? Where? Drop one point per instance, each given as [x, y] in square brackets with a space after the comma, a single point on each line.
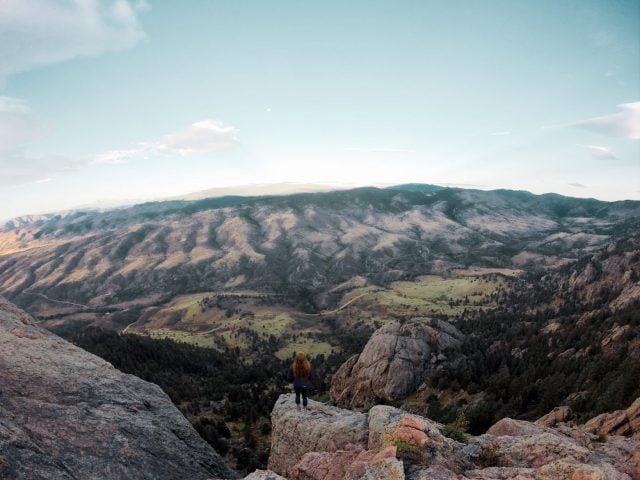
[621, 422]
[67, 414]
[321, 428]
[351, 464]
[395, 361]
[264, 475]
[399, 445]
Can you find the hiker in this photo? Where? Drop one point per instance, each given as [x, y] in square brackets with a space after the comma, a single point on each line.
[300, 375]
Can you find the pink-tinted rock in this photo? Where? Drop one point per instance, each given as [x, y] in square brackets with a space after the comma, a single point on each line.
[621, 422]
[354, 464]
[568, 470]
[537, 450]
[514, 450]
[514, 428]
[555, 416]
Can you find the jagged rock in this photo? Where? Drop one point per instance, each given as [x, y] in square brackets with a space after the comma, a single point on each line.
[321, 428]
[513, 450]
[555, 416]
[67, 414]
[392, 426]
[621, 422]
[394, 362]
[353, 464]
[264, 475]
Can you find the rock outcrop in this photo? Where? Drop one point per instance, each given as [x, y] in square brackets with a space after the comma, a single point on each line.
[351, 464]
[321, 428]
[621, 422]
[399, 445]
[67, 414]
[395, 361]
[555, 416]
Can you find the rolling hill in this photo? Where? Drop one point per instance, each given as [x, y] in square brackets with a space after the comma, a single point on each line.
[298, 246]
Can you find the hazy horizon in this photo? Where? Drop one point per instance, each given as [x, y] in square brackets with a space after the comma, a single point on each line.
[131, 99]
[258, 189]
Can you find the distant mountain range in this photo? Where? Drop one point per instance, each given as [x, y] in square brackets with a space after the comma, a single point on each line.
[300, 242]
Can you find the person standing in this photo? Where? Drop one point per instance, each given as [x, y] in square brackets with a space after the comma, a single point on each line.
[300, 375]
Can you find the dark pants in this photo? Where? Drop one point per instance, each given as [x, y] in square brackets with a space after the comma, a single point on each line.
[301, 391]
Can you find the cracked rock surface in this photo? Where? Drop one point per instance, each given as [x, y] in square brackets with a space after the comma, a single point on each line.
[67, 414]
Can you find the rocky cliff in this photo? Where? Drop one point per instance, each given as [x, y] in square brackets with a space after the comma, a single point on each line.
[327, 443]
[66, 414]
[395, 361]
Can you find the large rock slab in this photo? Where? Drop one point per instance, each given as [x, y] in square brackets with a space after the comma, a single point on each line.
[352, 464]
[395, 361]
[67, 414]
[320, 428]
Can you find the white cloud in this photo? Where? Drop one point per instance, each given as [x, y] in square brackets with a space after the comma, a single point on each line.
[200, 137]
[576, 185]
[599, 152]
[206, 136]
[39, 32]
[625, 123]
[500, 134]
[20, 126]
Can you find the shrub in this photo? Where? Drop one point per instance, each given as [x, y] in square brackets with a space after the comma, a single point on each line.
[457, 429]
[408, 450]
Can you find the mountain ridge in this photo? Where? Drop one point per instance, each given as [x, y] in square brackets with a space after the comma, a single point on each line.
[312, 240]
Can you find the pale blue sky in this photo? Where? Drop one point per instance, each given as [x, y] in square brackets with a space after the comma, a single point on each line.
[117, 100]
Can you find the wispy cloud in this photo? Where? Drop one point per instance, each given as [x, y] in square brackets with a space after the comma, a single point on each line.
[206, 136]
[599, 152]
[39, 32]
[576, 185]
[20, 127]
[625, 123]
[500, 134]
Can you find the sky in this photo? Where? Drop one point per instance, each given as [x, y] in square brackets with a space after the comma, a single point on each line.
[120, 100]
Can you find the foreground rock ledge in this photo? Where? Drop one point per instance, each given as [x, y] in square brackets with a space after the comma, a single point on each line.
[328, 443]
[67, 414]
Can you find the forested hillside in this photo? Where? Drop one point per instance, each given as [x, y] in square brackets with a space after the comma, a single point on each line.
[566, 337]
